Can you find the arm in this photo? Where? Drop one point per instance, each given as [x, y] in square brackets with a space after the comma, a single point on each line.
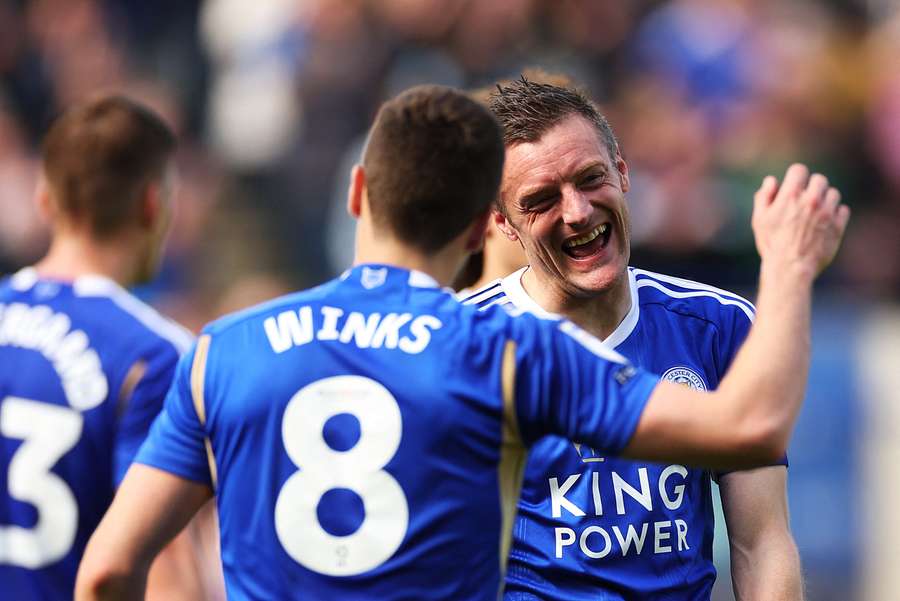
[149, 509]
[765, 564]
[167, 482]
[748, 420]
[178, 572]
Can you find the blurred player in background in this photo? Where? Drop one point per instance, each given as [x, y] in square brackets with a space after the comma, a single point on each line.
[365, 438]
[84, 366]
[590, 524]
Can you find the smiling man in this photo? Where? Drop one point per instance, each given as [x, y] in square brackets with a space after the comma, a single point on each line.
[592, 526]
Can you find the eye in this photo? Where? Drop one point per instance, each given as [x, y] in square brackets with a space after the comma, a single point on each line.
[592, 180]
[538, 203]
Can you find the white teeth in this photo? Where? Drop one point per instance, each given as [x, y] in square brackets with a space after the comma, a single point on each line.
[590, 236]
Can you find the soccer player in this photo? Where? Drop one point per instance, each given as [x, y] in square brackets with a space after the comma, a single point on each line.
[590, 524]
[84, 366]
[365, 438]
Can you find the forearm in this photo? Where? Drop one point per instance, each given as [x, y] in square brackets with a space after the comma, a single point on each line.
[768, 571]
[150, 508]
[765, 385]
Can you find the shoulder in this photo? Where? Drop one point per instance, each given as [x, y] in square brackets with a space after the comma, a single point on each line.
[679, 296]
[506, 293]
[127, 314]
[262, 311]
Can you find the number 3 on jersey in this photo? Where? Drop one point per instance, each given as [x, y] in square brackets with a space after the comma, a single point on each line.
[49, 432]
[359, 469]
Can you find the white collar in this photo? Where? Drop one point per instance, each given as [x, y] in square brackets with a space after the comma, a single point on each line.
[91, 284]
[420, 279]
[515, 291]
[24, 279]
[417, 279]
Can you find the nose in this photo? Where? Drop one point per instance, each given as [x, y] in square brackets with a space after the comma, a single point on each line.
[576, 207]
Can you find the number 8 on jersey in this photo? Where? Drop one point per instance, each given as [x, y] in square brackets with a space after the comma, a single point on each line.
[359, 469]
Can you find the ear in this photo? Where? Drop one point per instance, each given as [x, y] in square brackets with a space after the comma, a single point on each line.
[475, 238]
[43, 202]
[357, 191]
[622, 168]
[151, 209]
[504, 225]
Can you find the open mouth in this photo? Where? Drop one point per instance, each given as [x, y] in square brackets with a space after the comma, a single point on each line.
[590, 243]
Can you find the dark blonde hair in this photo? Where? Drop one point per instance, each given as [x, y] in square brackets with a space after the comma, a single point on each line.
[99, 157]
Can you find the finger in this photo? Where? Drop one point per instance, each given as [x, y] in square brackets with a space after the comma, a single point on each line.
[832, 200]
[794, 180]
[815, 190]
[842, 217]
[766, 193]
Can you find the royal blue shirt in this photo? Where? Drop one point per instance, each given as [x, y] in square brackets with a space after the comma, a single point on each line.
[365, 438]
[594, 526]
[84, 369]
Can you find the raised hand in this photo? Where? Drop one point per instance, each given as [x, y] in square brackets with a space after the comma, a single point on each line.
[800, 223]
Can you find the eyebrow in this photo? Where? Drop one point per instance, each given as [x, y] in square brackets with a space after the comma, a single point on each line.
[594, 166]
[536, 193]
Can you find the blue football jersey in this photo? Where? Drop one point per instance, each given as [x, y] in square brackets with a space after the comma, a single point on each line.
[365, 439]
[594, 526]
[84, 369]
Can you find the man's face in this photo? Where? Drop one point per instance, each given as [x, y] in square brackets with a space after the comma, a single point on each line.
[564, 198]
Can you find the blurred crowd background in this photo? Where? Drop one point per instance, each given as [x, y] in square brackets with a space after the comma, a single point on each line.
[272, 98]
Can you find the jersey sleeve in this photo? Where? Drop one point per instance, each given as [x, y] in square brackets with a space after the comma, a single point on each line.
[176, 440]
[142, 407]
[569, 384]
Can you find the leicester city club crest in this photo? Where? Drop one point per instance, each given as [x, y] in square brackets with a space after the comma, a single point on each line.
[685, 376]
[373, 277]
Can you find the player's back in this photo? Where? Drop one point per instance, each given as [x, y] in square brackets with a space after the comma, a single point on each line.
[306, 423]
[363, 436]
[83, 370]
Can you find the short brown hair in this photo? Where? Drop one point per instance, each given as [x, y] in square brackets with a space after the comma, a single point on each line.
[534, 74]
[433, 162]
[527, 109]
[100, 155]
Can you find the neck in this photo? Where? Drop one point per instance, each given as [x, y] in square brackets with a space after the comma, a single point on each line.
[599, 313]
[72, 256]
[442, 266]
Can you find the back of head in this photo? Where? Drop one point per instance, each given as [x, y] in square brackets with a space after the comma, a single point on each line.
[99, 157]
[527, 109]
[433, 163]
